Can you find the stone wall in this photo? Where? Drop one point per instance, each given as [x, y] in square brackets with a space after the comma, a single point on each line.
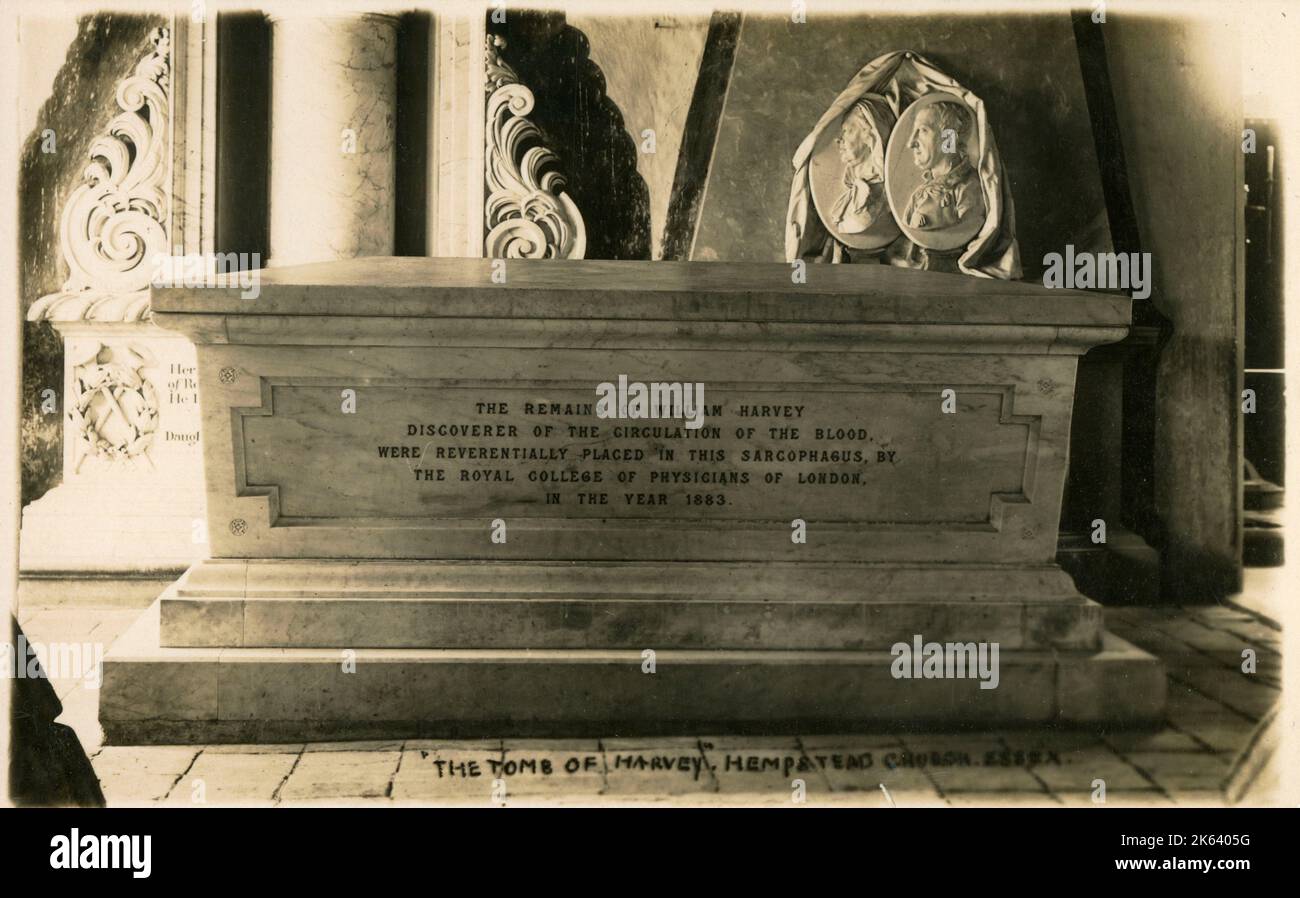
[1178, 95]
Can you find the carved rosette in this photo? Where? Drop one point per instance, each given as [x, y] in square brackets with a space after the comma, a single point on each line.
[527, 213]
[116, 219]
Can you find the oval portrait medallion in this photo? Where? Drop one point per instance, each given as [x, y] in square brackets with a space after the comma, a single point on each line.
[931, 179]
[847, 176]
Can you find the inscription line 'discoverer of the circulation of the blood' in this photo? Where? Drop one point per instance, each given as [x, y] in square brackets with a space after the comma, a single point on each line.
[750, 454]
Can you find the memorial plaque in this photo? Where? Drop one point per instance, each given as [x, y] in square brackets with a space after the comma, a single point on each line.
[829, 453]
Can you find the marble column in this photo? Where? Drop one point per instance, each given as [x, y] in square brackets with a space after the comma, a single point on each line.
[333, 107]
[455, 207]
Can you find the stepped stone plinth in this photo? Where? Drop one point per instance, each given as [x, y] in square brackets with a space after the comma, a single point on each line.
[422, 525]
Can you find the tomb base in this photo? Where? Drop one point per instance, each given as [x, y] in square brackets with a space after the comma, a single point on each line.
[133, 527]
[257, 650]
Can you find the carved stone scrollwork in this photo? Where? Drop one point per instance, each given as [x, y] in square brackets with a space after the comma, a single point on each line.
[116, 219]
[527, 213]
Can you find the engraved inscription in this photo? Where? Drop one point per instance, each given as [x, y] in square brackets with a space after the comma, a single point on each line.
[851, 454]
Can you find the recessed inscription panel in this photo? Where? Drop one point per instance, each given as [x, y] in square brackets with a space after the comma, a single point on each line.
[421, 450]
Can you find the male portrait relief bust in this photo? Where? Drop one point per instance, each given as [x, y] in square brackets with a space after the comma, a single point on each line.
[932, 178]
[949, 192]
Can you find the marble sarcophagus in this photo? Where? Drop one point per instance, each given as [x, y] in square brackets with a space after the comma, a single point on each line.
[422, 524]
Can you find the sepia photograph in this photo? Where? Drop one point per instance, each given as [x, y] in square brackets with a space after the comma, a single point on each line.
[792, 404]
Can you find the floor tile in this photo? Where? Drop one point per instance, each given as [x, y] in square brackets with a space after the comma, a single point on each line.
[1182, 771]
[340, 775]
[1134, 799]
[1083, 774]
[438, 772]
[147, 759]
[1165, 740]
[218, 779]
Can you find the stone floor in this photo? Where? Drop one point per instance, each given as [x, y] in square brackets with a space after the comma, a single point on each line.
[1213, 710]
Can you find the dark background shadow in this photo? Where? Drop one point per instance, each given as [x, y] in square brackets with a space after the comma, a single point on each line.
[584, 127]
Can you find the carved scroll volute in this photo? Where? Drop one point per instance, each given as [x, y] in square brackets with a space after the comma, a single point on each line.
[527, 213]
[115, 221]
